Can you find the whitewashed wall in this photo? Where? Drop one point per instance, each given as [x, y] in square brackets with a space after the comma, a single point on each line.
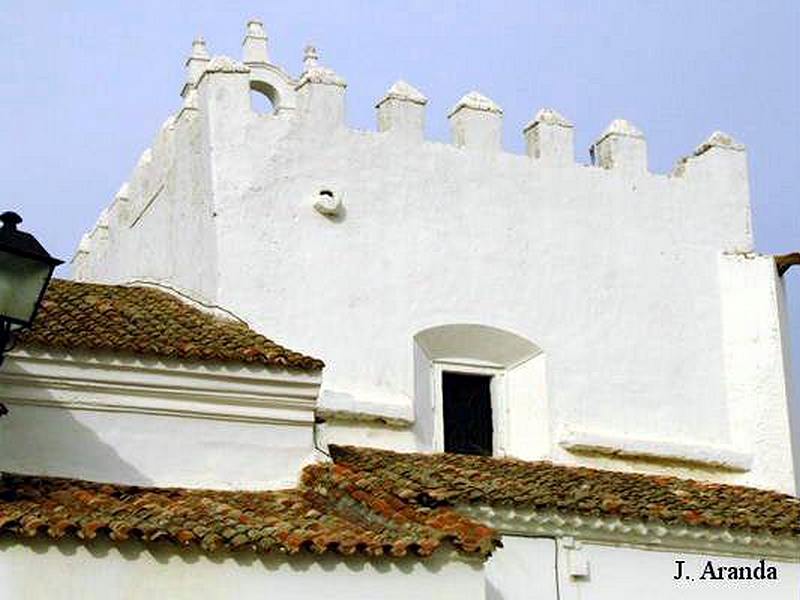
[616, 572]
[612, 271]
[152, 422]
[525, 569]
[40, 569]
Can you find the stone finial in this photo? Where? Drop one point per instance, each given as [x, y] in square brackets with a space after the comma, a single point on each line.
[719, 139]
[476, 123]
[255, 43]
[255, 28]
[310, 57]
[402, 111]
[316, 73]
[549, 137]
[199, 50]
[476, 101]
[621, 147]
[195, 64]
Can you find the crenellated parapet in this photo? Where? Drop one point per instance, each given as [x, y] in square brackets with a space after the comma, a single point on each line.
[216, 122]
[314, 102]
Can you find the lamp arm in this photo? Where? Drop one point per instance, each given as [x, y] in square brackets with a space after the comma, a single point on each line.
[7, 341]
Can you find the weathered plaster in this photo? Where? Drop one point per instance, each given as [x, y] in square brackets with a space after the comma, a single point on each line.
[102, 570]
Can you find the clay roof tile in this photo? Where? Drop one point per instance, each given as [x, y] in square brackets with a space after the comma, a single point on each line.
[148, 321]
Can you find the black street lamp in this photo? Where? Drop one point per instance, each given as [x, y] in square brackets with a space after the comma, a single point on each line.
[25, 270]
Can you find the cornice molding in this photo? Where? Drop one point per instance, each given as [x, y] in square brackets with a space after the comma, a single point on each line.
[717, 456]
[78, 381]
[651, 536]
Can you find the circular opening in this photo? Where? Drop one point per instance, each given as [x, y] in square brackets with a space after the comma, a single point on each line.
[263, 98]
[260, 103]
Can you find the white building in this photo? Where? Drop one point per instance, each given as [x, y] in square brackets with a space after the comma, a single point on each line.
[463, 299]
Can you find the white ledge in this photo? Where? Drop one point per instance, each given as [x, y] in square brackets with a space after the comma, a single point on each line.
[648, 534]
[723, 457]
[346, 406]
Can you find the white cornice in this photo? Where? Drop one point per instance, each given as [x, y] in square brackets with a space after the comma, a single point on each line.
[97, 382]
[618, 532]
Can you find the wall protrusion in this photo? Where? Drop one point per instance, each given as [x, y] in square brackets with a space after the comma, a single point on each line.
[100, 236]
[717, 146]
[320, 93]
[621, 147]
[549, 138]
[120, 210]
[224, 91]
[402, 111]
[81, 259]
[718, 170]
[476, 123]
[189, 104]
[195, 65]
[145, 158]
[254, 45]
[719, 139]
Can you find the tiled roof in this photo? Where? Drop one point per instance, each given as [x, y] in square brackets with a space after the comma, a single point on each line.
[331, 511]
[452, 479]
[145, 320]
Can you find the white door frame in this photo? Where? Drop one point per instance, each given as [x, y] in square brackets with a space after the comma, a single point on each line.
[497, 391]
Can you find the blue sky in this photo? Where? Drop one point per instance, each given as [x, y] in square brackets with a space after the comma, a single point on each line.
[86, 84]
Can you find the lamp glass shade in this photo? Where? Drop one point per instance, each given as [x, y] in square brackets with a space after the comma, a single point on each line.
[22, 283]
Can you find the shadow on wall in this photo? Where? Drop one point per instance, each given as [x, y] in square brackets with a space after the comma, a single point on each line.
[43, 440]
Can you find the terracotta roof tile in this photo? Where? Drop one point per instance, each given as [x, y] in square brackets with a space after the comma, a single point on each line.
[451, 479]
[147, 321]
[331, 511]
